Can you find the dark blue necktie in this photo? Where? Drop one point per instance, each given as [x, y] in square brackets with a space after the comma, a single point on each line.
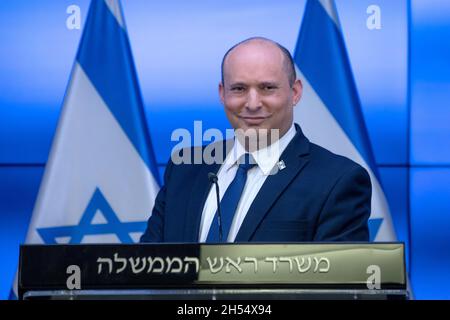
[230, 201]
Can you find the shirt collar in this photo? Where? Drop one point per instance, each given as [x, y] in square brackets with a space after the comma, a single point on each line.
[265, 158]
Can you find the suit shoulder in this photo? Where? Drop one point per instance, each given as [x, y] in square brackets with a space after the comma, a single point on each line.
[186, 155]
[214, 152]
[331, 161]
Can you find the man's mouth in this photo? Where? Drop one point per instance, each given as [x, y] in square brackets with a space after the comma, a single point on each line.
[253, 120]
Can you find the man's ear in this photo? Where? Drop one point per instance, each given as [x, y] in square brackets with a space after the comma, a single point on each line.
[297, 88]
[222, 93]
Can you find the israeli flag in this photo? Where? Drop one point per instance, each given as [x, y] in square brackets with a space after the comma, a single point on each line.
[100, 180]
[329, 111]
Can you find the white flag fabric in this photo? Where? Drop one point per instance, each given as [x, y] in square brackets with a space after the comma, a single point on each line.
[100, 181]
[329, 111]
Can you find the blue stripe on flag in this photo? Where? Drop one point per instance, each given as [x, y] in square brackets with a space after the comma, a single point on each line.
[105, 56]
[321, 56]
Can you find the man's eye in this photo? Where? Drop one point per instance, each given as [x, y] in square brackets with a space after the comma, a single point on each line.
[237, 89]
[269, 88]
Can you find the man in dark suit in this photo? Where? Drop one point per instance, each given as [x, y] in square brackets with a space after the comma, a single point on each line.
[287, 190]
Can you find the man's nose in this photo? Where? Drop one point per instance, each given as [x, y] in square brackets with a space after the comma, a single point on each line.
[253, 100]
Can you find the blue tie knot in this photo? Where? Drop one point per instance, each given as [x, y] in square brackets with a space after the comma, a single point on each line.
[246, 162]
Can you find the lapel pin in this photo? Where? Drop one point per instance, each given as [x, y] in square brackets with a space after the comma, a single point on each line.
[281, 165]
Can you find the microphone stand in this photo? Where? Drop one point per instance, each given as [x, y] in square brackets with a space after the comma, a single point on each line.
[213, 179]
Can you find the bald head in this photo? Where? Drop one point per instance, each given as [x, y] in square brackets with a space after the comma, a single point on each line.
[288, 62]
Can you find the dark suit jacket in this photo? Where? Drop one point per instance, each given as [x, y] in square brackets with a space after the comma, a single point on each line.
[319, 196]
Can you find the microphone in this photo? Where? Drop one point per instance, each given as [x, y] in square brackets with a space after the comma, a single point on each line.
[213, 179]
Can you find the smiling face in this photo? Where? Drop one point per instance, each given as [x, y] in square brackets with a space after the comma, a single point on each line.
[256, 91]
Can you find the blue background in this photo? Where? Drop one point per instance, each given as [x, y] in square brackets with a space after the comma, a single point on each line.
[402, 73]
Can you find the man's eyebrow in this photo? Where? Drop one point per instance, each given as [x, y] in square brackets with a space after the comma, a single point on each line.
[269, 83]
[263, 83]
[234, 84]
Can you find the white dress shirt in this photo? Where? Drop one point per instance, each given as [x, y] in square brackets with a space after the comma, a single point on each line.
[267, 160]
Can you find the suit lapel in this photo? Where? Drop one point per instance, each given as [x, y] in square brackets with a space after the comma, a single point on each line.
[295, 158]
[199, 193]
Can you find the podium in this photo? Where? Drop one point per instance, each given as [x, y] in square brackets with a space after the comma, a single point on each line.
[213, 271]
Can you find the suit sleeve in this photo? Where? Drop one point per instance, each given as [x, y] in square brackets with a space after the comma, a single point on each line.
[345, 215]
[155, 224]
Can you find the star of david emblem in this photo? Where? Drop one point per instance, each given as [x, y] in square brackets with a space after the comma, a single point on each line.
[87, 227]
[374, 227]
